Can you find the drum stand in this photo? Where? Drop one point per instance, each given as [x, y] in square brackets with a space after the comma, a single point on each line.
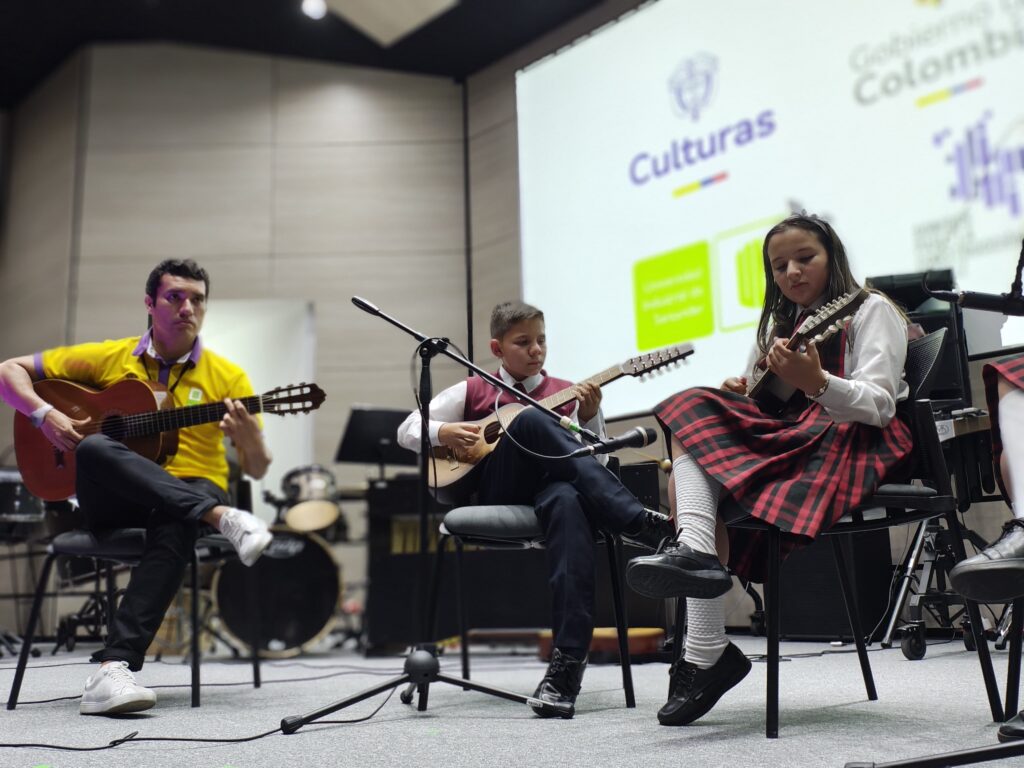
[421, 666]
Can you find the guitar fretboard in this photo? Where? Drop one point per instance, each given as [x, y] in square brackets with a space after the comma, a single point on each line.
[153, 422]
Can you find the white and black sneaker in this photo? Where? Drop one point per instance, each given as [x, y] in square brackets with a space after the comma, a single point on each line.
[113, 691]
[247, 533]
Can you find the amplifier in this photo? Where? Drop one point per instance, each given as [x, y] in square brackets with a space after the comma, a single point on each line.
[504, 589]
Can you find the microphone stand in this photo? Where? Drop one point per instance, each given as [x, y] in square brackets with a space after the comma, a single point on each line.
[421, 666]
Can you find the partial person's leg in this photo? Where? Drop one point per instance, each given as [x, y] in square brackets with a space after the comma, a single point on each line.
[569, 549]
[692, 567]
[996, 574]
[108, 472]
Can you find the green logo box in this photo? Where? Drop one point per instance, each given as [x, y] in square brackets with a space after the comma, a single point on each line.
[672, 296]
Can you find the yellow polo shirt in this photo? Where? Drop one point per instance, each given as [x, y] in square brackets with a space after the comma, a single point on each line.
[208, 379]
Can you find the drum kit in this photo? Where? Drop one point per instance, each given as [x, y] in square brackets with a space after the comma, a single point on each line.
[299, 576]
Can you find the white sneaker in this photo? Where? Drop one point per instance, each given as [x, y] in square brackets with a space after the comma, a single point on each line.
[247, 533]
[113, 691]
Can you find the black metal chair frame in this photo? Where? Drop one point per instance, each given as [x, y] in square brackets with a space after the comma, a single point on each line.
[124, 546]
[523, 533]
[902, 504]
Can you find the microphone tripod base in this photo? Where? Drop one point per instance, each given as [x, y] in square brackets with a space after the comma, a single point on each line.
[421, 669]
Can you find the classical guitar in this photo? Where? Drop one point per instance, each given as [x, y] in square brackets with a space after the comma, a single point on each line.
[449, 473]
[129, 411]
[773, 395]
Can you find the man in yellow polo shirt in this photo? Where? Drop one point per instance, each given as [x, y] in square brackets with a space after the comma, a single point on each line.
[119, 488]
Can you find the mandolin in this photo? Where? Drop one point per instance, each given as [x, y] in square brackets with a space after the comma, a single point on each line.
[773, 395]
[129, 411]
[450, 472]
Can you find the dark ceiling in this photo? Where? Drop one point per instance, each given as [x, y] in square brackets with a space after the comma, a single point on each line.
[37, 35]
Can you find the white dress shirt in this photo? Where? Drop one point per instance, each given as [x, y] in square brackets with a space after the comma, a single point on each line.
[876, 352]
[450, 406]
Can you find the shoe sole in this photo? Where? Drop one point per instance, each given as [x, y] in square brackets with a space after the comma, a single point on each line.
[661, 581]
[262, 539]
[1000, 581]
[708, 703]
[116, 707]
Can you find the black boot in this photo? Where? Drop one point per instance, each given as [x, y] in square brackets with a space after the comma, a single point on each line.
[1012, 729]
[678, 571]
[651, 530]
[561, 685]
[694, 691]
[996, 574]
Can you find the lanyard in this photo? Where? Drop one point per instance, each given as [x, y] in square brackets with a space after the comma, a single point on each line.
[184, 368]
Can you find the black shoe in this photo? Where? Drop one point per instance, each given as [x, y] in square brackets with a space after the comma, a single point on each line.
[654, 529]
[1012, 729]
[678, 571]
[560, 686]
[996, 574]
[694, 691]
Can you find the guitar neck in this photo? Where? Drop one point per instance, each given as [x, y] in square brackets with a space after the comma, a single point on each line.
[563, 397]
[141, 424]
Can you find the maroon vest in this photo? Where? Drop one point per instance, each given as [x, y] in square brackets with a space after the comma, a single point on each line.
[480, 396]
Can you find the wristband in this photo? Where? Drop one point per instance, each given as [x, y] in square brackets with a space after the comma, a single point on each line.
[38, 416]
[820, 392]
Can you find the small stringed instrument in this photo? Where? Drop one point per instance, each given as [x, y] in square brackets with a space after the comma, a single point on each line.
[773, 395]
[129, 411]
[449, 474]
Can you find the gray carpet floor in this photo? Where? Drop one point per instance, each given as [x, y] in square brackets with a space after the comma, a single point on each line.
[929, 706]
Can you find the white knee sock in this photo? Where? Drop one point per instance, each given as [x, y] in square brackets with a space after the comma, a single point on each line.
[705, 631]
[1011, 432]
[696, 504]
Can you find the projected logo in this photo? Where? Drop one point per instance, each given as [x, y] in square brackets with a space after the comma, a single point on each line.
[982, 172]
[692, 85]
[679, 294]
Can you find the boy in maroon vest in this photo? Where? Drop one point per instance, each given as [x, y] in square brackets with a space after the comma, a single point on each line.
[572, 497]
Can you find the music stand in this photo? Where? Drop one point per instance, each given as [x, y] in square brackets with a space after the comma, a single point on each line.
[370, 437]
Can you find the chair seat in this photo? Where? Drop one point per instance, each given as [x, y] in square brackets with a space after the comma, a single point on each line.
[494, 522]
[122, 545]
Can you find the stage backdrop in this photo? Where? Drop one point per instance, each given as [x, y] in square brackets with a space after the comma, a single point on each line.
[656, 153]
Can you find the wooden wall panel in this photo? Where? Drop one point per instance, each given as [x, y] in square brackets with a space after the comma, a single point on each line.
[320, 103]
[177, 96]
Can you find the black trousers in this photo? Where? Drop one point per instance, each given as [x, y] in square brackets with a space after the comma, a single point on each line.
[117, 488]
[572, 498]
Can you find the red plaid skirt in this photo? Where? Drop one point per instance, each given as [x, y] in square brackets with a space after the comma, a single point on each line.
[799, 474]
[1011, 369]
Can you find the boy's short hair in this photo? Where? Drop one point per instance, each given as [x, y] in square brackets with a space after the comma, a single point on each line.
[508, 313]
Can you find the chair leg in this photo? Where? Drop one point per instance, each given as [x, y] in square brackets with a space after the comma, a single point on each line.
[460, 611]
[252, 582]
[196, 626]
[772, 600]
[621, 624]
[30, 630]
[678, 638]
[984, 657]
[1013, 668]
[111, 597]
[853, 613]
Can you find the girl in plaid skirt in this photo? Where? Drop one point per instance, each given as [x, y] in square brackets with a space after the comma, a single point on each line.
[836, 440]
[996, 574]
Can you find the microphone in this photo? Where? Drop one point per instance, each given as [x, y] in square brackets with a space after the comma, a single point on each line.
[365, 305]
[1005, 303]
[637, 437]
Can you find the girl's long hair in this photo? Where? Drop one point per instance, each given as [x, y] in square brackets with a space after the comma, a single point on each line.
[778, 312]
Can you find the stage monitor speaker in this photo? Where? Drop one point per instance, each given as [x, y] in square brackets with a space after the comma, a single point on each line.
[812, 606]
[503, 589]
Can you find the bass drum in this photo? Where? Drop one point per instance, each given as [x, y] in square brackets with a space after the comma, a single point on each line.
[298, 585]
